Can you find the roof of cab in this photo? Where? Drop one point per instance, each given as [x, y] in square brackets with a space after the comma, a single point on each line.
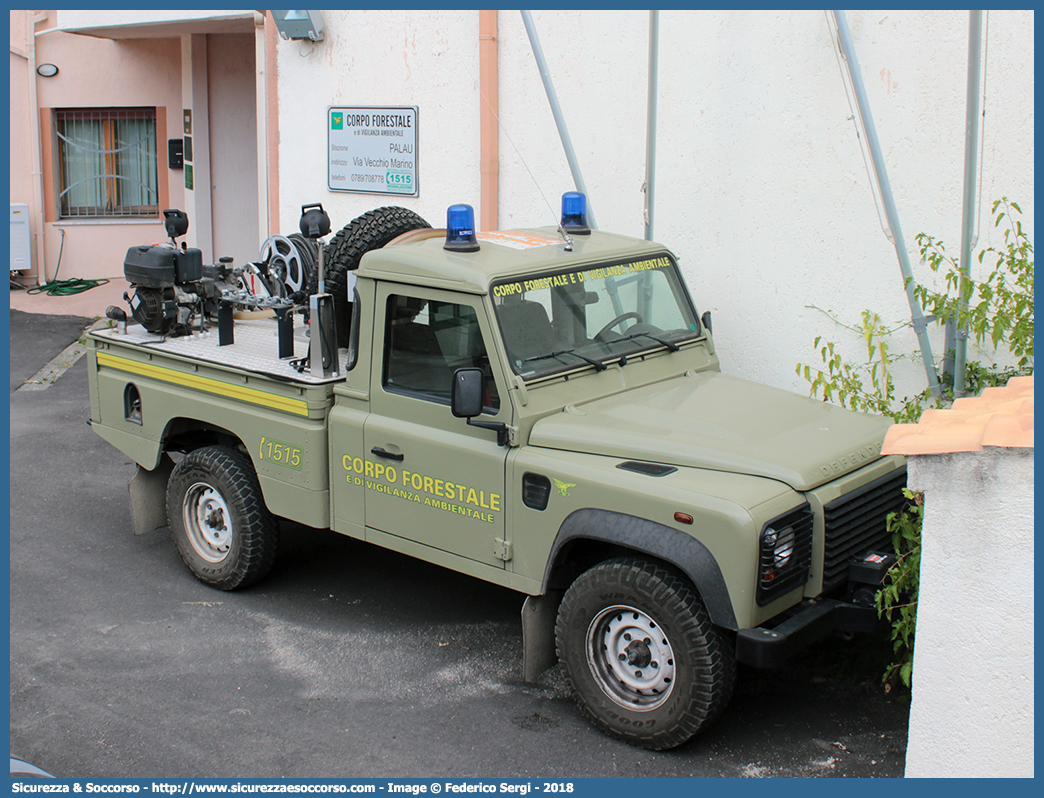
[502, 254]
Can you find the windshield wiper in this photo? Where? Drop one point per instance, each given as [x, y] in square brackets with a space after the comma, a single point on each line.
[663, 341]
[599, 365]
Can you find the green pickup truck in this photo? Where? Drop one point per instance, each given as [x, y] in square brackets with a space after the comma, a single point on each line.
[543, 409]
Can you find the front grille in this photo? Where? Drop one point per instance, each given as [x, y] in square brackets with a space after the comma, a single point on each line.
[857, 523]
[785, 554]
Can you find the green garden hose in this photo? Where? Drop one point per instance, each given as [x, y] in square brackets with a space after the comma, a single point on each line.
[58, 287]
[66, 287]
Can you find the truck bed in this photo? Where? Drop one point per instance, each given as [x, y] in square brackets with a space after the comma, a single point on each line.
[255, 349]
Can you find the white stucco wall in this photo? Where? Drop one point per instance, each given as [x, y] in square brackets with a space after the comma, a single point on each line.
[761, 187]
[381, 58]
[971, 713]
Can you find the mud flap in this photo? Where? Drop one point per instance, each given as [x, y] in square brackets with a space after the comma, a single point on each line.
[539, 614]
[148, 496]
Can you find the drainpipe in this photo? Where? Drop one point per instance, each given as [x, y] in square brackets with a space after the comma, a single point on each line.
[650, 131]
[552, 98]
[489, 102]
[971, 150]
[885, 187]
[31, 18]
[272, 90]
[261, 122]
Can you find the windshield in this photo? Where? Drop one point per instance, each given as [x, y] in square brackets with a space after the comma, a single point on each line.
[562, 320]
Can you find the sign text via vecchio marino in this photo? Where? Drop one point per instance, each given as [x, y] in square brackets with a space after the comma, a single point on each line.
[372, 150]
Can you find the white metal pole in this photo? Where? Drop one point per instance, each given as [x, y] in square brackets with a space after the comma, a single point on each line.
[971, 153]
[556, 110]
[916, 317]
[650, 134]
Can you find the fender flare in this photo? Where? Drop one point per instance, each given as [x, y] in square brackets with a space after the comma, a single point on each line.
[672, 546]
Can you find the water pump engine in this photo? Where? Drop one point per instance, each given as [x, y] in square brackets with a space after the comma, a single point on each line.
[171, 284]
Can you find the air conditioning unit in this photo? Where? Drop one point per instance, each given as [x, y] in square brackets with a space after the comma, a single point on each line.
[21, 247]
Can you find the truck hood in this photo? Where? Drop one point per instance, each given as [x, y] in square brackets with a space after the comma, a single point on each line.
[714, 421]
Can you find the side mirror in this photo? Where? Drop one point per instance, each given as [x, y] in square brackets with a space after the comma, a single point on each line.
[706, 319]
[466, 398]
[466, 402]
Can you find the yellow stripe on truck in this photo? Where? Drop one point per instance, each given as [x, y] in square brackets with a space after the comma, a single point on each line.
[240, 392]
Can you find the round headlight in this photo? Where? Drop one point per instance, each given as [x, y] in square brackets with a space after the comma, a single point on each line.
[782, 546]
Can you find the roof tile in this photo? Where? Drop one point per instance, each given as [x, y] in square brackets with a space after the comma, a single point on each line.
[1001, 416]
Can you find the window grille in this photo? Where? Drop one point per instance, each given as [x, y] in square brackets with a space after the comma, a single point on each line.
[107, 162]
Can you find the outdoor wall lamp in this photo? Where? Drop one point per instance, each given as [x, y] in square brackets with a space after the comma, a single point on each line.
[299, 24]
[47, 70]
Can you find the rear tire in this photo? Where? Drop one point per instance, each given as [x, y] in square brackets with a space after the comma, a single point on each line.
[218, 518]
[640, 654]
[370, 231]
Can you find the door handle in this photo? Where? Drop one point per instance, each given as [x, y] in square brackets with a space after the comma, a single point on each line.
[377, 450]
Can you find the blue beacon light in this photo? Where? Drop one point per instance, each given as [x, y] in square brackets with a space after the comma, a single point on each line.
[574, 213]
[460, 229]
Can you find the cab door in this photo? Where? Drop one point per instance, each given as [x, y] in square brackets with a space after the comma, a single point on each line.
[430, 477]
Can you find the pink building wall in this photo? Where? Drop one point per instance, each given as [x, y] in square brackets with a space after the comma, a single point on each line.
[21, 163]
[21, 173]
[95, 73]
[233, 145]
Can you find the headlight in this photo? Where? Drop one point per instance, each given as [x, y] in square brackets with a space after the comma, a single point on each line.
[780, 545]
[785, 554]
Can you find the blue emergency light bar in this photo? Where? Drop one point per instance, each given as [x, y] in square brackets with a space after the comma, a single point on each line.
[574, 213]
[460, 229]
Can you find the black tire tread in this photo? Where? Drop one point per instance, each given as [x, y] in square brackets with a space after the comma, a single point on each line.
[373, 230]
[258, 532]
[670, 590]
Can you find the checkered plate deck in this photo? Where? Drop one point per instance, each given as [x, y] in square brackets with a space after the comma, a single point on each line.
[256, 348]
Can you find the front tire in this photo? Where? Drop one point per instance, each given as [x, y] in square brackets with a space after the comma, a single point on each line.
[218, 518]
[640, 654]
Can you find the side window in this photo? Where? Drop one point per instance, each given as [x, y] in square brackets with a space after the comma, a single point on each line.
[426, 341]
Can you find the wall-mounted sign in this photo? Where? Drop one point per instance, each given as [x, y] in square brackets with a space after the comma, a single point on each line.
[372, 150]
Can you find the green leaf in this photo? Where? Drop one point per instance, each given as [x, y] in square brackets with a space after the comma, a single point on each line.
[906, 672]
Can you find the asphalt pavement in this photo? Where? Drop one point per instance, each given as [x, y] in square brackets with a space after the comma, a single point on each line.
[347, 661]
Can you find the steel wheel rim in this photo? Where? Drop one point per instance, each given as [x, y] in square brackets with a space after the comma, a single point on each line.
[208, 522]
[630, 657]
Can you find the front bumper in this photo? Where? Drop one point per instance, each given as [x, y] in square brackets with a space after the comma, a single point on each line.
[812, 620]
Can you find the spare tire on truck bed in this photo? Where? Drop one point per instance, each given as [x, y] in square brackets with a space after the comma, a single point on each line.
[372, 230]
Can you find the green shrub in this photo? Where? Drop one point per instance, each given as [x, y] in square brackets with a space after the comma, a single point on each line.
[997, 311]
